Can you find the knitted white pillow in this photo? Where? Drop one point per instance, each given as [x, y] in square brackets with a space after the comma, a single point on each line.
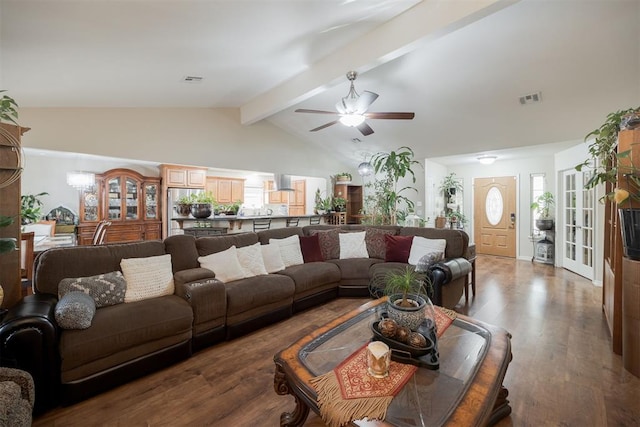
[224, 264]
[250, 258]
[289, 250]
[352, 245]
[147, 277]
[422, 246]
[272, 258]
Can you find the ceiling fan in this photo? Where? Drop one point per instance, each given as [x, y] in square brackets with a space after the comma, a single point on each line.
[352, 110]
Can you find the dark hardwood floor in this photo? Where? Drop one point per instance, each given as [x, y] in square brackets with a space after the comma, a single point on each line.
[563, 371]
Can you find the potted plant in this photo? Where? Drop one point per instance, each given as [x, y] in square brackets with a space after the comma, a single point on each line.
[609, 163]
[7, 244]
[31, 207]
[449, 186]
[183, 206]
[387, 197]
[343, 177]
[339, 204]
[542, 205]
[202, 205]
[455, 218]
[408, 292]
[324, 205]
[8, 109]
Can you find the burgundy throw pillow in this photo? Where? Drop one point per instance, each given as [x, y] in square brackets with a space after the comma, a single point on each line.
[310, 247]
[398, 248]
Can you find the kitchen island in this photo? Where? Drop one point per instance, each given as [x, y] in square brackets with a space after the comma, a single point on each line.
[222, 224]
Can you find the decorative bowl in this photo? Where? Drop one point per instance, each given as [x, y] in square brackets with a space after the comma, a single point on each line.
[425, 329]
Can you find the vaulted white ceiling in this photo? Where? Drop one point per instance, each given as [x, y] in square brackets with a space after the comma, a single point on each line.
[460, 65]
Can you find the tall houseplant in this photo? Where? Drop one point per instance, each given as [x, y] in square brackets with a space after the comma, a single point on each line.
[542, 205]
[387, 197]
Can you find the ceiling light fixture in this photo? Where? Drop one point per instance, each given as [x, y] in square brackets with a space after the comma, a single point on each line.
[486, 159]
[365, 169]
[352, 120]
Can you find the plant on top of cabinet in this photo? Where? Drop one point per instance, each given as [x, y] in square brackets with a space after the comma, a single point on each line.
[449, 185]
[343, 177]
[8, 109]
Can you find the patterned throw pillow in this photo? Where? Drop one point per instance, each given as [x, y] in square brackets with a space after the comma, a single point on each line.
[148, 277]
[329, 243]
[250, 258]
[352, 245]
[105, 289]
[75, 310]
[374, 238]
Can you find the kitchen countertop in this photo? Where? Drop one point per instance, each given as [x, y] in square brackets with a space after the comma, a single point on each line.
[233, 219]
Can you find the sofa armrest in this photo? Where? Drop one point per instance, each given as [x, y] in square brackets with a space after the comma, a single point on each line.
[452, 268]
[29, 339]
[192, 275]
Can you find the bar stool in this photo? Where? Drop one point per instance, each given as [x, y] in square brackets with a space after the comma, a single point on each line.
[293, 222]
[261, 224]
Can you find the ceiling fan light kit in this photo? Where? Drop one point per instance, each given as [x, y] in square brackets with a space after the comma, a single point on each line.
[352, 110]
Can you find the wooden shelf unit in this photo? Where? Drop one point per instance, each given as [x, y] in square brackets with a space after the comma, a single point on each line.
[355, 200]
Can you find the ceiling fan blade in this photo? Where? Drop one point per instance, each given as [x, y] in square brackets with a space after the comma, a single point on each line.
[365, 100]
[326, 125]
[304, 110]
[365, 129]
[394, 116]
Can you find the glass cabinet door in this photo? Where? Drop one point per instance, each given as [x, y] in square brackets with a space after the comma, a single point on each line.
[131, 189]
[90, 204]
[151, 201]
[114, 196]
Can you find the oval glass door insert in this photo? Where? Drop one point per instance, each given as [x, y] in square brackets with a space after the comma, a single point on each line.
[494, 206]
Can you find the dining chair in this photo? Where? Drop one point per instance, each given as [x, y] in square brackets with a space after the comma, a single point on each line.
[100, 232]
[314, 220]
[261, 224]
[26, 255]
[293, 222]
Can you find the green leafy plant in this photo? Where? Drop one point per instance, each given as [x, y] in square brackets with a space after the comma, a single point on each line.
[344, 174]
[339, 204]
[8, 109]
[387, 197]
[31, 207]
[456, 216]
[205, 197]
[603, 156]
[543, 204]
[7, 244]
[449, 185]
[406, 282]
[184, 200]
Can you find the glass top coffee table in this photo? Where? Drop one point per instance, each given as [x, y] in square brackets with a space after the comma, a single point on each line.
[466, 389]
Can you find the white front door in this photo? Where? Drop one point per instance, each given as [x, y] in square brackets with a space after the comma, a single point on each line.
[576, 230]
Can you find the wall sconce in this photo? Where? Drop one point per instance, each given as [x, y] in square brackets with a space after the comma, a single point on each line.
[81, 180]
[486, 159]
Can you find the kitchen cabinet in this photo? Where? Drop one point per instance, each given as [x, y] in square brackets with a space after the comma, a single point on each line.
[129, 200]
[275, 197]
[297, 203]
[226, 190]
[176, 176]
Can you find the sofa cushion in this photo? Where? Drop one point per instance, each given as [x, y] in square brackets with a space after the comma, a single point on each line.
[272, 258]
[374, 239]
[75, 310]
[213, 244]
[397, 248]
[289, 250]
[422, 246]
[308, 277]
[184, 254]
[329, 242]
[224, 264]
[114, 337]
[250, 258]
[105, 289]
[355, 268]
[148, 277]
[310, 247]
[352, 245]
[247, 294]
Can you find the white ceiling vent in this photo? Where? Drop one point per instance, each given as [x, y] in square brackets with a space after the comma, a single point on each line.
[192, 79]
[533, 98]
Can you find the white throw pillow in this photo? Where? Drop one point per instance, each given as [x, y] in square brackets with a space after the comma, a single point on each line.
[147, 277]
[352, 245]
[272, 258]
[224, 264]
[289, 250]
[422, 246]
[250, 258]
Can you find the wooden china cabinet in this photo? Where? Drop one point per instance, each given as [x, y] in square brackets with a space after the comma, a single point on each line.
[129, 200]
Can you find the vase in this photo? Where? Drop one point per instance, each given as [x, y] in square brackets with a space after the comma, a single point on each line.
[201, 210]
[183, 209]
[411, 317]
[544, 224]
[630, 230]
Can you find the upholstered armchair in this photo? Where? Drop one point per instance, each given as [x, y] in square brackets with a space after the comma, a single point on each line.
[17, 395]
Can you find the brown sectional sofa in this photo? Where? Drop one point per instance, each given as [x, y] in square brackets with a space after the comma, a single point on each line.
[131, 339]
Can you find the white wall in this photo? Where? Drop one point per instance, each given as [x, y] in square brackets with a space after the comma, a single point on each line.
[434, 200]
